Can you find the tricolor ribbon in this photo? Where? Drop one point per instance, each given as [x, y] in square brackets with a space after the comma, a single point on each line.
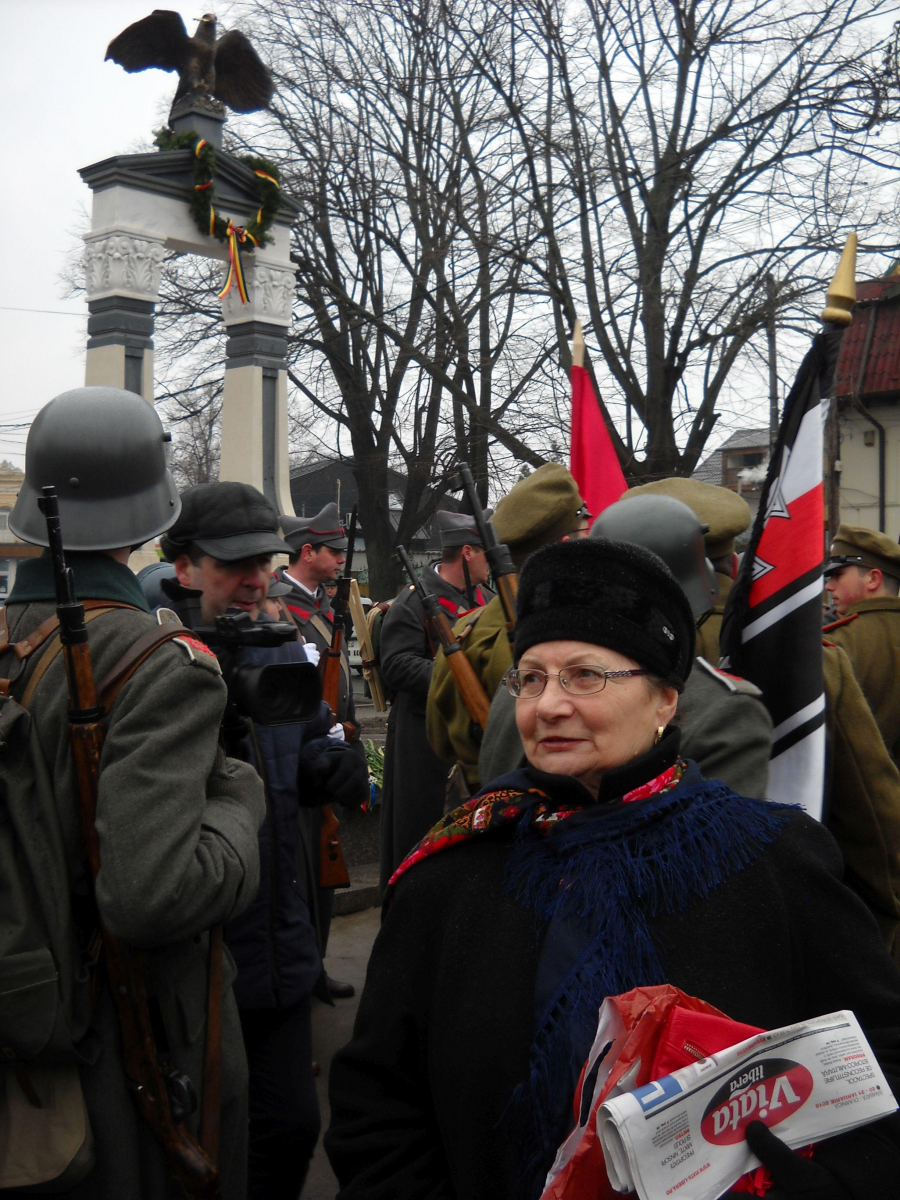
[235, 235]
[263, 175]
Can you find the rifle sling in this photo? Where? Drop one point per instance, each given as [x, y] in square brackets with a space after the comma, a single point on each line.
[51, 628]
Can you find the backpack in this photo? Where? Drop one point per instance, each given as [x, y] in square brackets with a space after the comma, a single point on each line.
[45, 970]
[48, 938]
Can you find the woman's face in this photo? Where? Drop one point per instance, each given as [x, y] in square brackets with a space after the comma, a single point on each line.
[584, 736]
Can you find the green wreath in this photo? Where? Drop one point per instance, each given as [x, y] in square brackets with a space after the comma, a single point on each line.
[202, 204]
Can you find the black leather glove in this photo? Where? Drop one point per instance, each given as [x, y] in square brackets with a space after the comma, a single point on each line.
[793, 1175]
[336, 774]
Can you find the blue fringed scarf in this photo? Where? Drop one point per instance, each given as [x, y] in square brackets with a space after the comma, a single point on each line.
[596, 883]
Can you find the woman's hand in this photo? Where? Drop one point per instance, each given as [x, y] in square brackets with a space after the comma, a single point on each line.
[793, 1175]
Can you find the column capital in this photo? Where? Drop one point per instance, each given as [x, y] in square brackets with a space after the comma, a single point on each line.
[123, 264]
[271, 288]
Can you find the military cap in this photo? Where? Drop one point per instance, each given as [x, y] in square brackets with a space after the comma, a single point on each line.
[324, 529]
[542, 508]
[458, 529]
[227, 520]
[277, 588]
[855, 546]
[724, 512]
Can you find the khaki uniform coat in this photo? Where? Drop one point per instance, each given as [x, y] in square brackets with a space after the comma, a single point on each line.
[710, 629]
[177, 824]
[862, 796]
[448, 724]
[870, 634]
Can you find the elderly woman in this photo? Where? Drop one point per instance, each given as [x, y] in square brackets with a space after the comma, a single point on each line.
[607, 863]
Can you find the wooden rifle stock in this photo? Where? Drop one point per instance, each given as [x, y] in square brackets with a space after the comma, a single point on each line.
[505, 577]
[152, 1085]
[332, 864]
[473, 694]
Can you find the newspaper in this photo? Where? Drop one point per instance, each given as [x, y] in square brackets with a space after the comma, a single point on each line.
[683, 1135]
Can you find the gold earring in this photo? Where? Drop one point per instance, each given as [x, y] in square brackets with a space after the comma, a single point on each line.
[660, 731]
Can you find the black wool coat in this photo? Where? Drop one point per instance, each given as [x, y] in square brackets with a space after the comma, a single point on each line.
[420, 1097]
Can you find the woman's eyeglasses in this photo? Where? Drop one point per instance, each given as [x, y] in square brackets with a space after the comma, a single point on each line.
[528, 683]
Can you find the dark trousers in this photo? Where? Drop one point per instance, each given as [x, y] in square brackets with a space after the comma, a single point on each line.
[284, 1108]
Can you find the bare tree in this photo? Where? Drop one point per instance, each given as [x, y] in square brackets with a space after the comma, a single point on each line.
[474, 175]
[677, 154]
[407, 332]
[194, 418]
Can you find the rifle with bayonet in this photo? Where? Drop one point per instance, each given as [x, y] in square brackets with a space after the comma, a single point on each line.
[473, 694]
[505, 578]
[164, 1096]
[332, 865]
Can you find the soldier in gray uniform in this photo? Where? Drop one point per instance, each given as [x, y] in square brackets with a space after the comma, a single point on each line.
[725, 727]
[177, 821]
[318, 550]
[414, 776]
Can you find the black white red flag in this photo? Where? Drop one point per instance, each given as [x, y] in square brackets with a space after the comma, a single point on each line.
[772, 627]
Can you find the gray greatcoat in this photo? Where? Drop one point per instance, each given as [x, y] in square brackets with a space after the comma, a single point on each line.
[314, 618]
[177, 824]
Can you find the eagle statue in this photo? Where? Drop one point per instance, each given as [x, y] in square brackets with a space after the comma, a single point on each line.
[227, 69]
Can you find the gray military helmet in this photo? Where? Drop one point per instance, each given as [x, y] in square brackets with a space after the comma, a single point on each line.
[103, 449]
[671, 530]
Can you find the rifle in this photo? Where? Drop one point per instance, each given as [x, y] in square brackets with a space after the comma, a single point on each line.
[473, 694]
[506, 580]
[165, 1097]
[332, 866]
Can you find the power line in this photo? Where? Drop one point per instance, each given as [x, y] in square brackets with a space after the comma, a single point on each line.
[55, 312]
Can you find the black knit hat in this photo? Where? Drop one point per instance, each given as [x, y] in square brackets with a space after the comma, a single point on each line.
[614, 594]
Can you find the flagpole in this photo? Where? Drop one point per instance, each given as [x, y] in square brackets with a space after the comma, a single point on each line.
[772, 625]
[577, 345]
[841, 295]
[839, 299]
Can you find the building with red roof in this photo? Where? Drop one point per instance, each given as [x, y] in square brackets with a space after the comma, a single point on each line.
[867, 387]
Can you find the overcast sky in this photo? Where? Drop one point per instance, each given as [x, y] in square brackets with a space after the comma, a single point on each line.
[63, 108]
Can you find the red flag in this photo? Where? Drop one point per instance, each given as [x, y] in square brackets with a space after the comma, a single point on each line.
[592, 459]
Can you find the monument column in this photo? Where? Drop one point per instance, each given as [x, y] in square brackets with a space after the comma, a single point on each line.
[254, 442]
[122, 276]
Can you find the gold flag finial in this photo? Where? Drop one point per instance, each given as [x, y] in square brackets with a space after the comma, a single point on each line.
[577, 345]
[841, 295]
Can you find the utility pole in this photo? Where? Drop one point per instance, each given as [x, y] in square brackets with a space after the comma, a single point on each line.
[772, 290]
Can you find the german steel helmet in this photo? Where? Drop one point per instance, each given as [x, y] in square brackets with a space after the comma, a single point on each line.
[103, 449]
[670, 529]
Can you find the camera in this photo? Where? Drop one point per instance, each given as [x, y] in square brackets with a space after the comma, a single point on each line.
[270, 693]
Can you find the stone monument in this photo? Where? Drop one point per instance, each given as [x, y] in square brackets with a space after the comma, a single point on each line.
[140, 211]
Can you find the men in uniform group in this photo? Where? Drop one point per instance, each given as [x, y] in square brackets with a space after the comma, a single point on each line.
[414, 777]
[318, 550]
[177, 821]
[863, 578]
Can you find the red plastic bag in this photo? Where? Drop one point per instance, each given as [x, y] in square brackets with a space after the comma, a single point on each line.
[642, 1035]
